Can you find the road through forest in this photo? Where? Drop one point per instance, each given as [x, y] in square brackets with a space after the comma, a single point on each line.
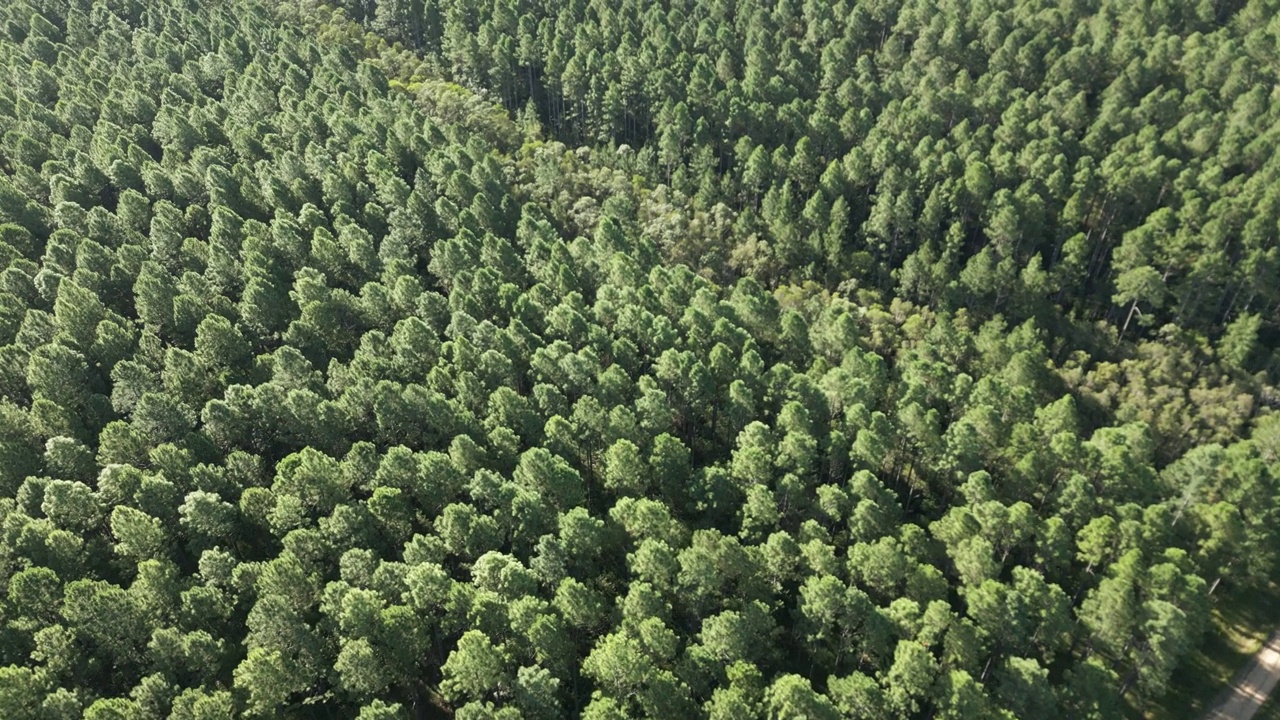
[1252, 684]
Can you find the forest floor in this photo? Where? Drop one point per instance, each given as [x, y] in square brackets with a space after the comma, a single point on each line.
[1237, 632]
[1255, 682]
[1202, 682]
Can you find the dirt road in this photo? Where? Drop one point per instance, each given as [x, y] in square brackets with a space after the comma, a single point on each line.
[1252, 684]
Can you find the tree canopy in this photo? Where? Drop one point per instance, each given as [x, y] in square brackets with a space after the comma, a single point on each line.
[403, 359]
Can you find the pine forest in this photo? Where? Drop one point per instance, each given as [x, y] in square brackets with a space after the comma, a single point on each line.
[612, 359]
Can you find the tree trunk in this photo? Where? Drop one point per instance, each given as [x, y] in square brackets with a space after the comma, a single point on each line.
[1132, 309]
[987, 668]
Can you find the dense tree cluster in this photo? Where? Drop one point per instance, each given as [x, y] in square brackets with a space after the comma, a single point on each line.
[1114, 158]
[327, 389]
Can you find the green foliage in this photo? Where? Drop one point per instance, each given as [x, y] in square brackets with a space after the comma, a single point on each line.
[819, 361]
